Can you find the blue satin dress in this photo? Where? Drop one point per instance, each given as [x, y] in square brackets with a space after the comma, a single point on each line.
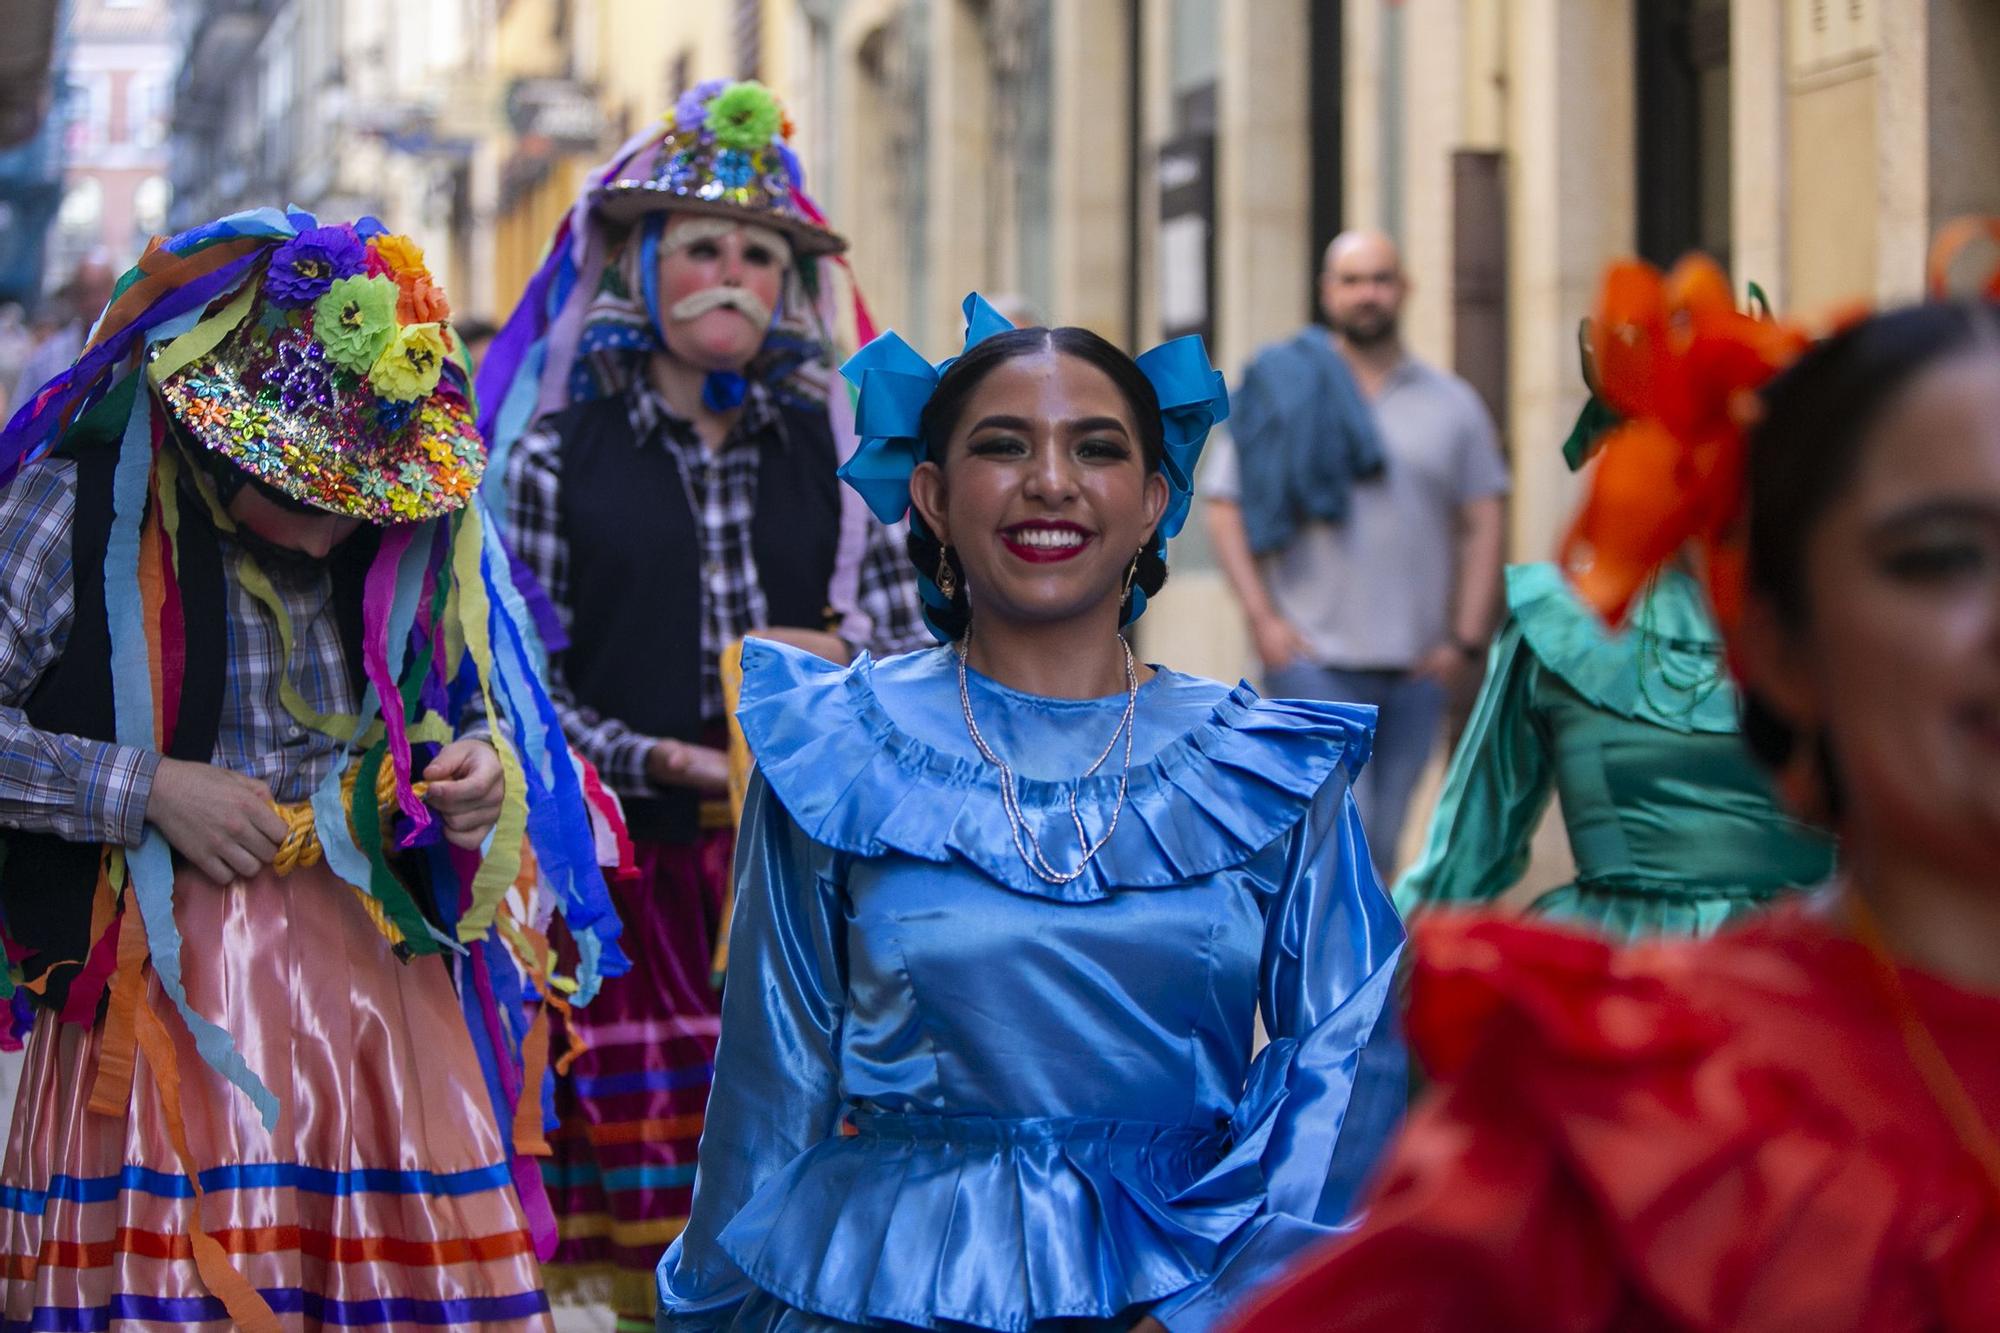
[950, 1095]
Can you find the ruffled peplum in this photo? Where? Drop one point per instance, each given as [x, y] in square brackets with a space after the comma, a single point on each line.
[930, 1220]
[1213, 798]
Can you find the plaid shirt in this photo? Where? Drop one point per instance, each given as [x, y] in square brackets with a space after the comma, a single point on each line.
[721, 491]
[94, 791]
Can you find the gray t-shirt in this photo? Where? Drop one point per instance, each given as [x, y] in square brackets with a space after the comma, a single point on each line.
[1376, 590]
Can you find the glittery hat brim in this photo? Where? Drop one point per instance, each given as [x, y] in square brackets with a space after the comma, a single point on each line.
[322, 437]
[631, 200]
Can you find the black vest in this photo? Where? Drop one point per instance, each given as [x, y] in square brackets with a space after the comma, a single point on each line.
[46, 882]
[635, 572]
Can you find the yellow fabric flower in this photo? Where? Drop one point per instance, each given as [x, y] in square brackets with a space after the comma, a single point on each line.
[409, 366]
[399, 255]
[405, 504]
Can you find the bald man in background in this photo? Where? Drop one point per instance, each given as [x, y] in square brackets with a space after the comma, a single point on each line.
[1356, 509]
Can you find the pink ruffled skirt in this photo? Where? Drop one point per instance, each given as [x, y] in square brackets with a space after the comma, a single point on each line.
[383, 1199]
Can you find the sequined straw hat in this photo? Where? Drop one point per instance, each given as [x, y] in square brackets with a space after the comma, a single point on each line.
[334, 376]
[722, 150]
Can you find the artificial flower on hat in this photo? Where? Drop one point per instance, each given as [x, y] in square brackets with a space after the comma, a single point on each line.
[724, 149]
[314, 379]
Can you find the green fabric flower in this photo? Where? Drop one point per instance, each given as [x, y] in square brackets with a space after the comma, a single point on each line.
[744, 116]
[355, 320]
[409, 366]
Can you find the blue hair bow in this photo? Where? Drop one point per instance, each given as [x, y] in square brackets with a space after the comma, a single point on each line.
[893, 383]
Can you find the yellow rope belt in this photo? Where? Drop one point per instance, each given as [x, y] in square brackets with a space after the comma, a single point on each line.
[301, 846]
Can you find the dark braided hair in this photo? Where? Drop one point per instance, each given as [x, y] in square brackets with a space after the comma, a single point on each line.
[947, 406]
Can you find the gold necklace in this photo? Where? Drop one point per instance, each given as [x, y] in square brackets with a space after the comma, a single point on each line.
[1940, 1079]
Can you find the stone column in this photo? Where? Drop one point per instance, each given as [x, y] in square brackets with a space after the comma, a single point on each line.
[960, 170]
[1434, 118]
[1759, 184]
[1263, 200]
[1570, 117]
[1091, 133]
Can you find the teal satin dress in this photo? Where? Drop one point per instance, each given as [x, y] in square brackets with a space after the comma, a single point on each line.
[1673, 826]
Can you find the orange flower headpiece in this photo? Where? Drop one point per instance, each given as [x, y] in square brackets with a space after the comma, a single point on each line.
[1682, 365]
[1676, 358]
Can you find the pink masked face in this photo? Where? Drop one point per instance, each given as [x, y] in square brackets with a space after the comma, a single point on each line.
[719, 288]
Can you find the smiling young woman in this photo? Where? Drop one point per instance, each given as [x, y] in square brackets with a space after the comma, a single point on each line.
[1049, 512]
[1008, 909]
[1794, 1125]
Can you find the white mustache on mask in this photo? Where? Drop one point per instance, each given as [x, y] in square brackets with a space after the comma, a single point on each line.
[743, 302]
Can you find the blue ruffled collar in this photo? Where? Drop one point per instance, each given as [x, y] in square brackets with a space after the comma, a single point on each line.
[1208, 799]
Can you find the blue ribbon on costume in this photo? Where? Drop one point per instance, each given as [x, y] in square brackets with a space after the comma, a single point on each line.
[151, 864]
[893, 384]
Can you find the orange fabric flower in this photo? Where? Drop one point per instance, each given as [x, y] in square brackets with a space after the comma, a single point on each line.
[1682, 365]
[419, 300]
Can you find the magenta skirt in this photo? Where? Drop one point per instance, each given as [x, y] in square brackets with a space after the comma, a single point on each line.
[630, 1108]
[383, 1199]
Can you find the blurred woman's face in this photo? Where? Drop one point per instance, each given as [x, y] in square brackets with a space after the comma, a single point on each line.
[1899, 662]
[1044, 491]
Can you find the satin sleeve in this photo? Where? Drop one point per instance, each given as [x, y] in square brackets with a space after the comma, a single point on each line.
[1494, 792]
[1323, 1098]
[777, 1083]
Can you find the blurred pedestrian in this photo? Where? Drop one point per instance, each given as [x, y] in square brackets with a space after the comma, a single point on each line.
[677, 493]
[15, 344]
[1356, 509]
[76, 305]
[477, 335]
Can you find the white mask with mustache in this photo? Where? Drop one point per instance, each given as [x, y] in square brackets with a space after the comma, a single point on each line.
[718, 298]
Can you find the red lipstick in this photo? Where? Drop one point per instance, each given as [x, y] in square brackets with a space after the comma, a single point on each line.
[1046, 542]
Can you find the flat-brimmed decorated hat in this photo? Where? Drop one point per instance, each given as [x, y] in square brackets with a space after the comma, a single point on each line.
[722, 150]
[333, 375]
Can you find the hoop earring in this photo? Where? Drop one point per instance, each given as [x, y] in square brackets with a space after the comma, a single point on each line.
[1131, 576]
[946, 578]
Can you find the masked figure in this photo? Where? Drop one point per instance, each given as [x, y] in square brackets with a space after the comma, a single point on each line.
[257, 822]
[675, 492]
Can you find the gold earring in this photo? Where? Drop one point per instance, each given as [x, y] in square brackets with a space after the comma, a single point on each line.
[946, 579]
[1132, 574]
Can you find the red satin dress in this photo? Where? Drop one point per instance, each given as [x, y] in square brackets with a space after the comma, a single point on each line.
[1728, 1134]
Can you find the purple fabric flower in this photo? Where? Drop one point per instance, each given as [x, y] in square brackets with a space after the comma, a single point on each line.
[692, 108]
[305, 266]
